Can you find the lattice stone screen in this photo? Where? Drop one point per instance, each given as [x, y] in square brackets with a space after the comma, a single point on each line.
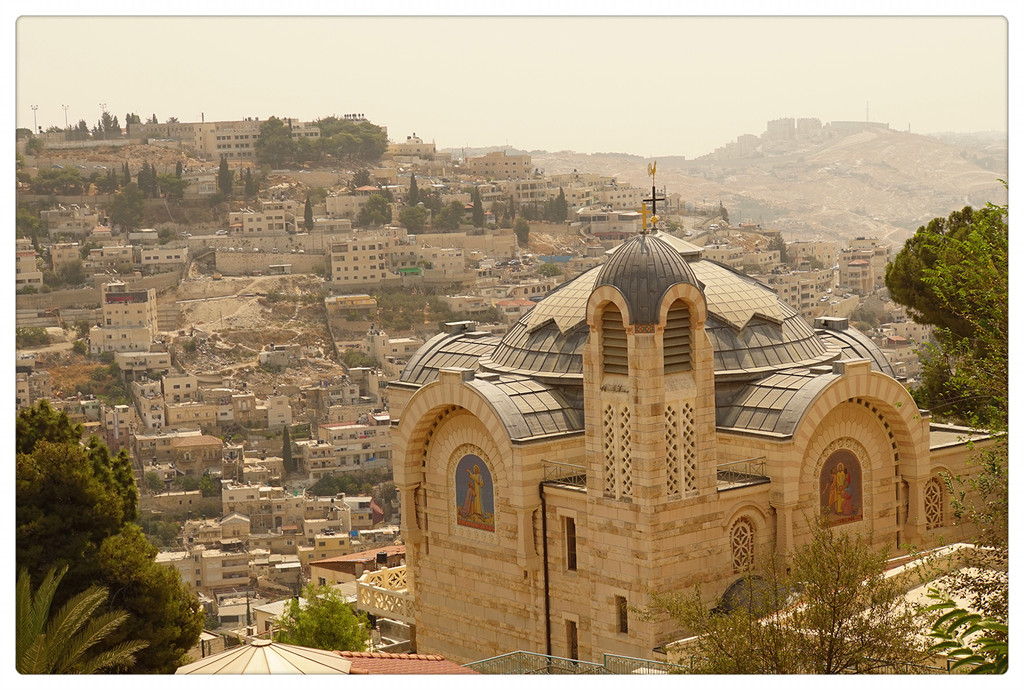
[933, 499]
[672, 454]
[688, 442]
[741, 538]
[618, 463]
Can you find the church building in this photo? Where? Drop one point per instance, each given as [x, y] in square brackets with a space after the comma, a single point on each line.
[660, 421]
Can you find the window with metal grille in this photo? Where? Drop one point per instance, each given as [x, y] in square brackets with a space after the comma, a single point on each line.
[614, 357]
[677, 339]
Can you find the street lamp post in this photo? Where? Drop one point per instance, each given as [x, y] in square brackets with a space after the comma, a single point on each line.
[35, 126]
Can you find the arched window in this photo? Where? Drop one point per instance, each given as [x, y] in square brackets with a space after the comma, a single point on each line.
[614, 356]
[933, 503]
[741, 538]
[677, 338]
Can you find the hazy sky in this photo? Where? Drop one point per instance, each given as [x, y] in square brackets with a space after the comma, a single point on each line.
[643, 85]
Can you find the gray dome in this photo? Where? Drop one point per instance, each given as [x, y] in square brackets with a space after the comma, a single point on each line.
[753, 333]
[643, 269]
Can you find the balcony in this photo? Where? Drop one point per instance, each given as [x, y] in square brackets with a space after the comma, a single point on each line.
[565, 475]
[385, 593]
[741, 473]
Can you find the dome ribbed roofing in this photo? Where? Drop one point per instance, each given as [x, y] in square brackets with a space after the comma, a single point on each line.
[643, 269]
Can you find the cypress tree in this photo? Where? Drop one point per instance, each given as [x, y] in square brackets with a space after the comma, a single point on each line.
[414, 192]
[286, 451]
[478, 209]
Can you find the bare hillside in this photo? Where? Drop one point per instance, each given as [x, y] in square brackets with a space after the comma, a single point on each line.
[874, 182]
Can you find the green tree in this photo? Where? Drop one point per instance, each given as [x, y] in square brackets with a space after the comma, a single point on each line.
[75, 507]
[376, 211]
[164, 613]
[179, 169]
[352, 139]
[776, 243]
[502, 213]
[522, 230]
[34, 146]
[42, 422]
[828, 609]
[33, 336]
[210, 486]
[153, 482]
[361, 178]
[549, 270]
[172, 186]
[275, 146]
[557, 210]
[286, 451]
[478, 208]
[325, 622]
[450, 216]
[963, 266]
[413, 197]
[307, 216]
[250, 184]
[225, 178]
[971, 640]
[58, 181]
[65, 641]
[127, 208]
[414, 218]
[27, 222]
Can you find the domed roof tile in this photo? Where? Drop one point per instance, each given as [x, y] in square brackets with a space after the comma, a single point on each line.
[643, 269]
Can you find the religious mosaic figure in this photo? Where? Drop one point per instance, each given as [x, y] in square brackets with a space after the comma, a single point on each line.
[474, 493]
[841, 491]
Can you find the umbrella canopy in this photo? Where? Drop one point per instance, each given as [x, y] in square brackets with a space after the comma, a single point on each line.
[265, 656]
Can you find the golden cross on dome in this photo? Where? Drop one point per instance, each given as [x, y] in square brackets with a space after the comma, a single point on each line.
[652, 168]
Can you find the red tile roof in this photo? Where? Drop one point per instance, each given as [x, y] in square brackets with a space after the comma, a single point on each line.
[404, 664]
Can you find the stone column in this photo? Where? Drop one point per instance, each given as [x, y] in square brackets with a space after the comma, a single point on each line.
[410, 527]
[914, 529]
[784, 528]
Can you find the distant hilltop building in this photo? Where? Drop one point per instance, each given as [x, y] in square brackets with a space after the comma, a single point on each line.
[235, 140]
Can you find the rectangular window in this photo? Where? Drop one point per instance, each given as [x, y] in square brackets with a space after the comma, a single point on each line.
[572, 644]
[570, 543]
[623, 612]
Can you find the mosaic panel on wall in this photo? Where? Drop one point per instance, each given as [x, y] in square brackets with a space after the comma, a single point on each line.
[842, 495]
[474, 493]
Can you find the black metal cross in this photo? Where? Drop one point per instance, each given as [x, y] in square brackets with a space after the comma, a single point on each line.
[654, 200]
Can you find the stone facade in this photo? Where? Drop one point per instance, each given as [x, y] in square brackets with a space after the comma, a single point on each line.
[542, 500]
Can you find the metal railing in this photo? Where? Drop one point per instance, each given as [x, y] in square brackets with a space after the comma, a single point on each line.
[528, 663]
[632, 665]
[742, 473]
[565, 473]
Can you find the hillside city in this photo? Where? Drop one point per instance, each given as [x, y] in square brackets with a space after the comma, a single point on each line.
[233, 304]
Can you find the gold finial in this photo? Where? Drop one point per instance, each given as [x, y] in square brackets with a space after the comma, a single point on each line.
[643, 213]
[652, 168]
